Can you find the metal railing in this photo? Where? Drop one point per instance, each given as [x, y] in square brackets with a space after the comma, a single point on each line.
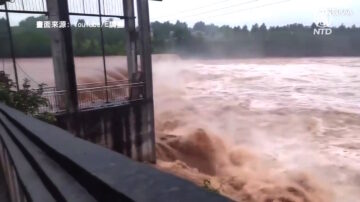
[90, 85]
[94, 97]
[25, 6]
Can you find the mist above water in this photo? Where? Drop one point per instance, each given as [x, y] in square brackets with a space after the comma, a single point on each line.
[262, 129]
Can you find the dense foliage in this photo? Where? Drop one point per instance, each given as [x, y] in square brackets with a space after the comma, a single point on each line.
[291, 40]
[25, 99]
[199, 40]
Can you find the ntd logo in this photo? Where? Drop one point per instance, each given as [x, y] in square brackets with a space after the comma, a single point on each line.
[322, 29]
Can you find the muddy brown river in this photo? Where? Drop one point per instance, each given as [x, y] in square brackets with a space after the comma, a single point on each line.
[279, 129]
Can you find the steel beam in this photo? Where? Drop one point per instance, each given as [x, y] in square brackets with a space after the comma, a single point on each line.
[12, 51]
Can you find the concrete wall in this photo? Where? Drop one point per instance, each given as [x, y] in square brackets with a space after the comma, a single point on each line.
[117, 128]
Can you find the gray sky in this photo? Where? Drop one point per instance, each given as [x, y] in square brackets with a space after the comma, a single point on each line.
[248, 12]
[270, 12]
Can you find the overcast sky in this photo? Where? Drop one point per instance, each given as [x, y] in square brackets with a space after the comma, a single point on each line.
[270, 12]
[247, 12]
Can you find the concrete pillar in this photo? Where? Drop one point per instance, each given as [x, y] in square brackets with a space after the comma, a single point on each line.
[62, 52]
[130, 28]
[147, 108]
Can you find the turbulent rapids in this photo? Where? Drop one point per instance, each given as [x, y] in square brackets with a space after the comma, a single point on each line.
[255, 130]
[234, 172]
[261, 130]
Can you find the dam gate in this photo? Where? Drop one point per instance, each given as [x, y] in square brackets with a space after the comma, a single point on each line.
[115, 114]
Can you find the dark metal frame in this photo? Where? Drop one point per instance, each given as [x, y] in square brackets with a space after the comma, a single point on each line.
[101, 14]
[21, 9]
[12, 51]
[94, 96]
[139, 98]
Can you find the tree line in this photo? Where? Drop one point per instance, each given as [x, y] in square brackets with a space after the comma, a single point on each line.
[294, 40]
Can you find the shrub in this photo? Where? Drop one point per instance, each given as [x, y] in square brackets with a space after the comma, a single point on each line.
[25, 99]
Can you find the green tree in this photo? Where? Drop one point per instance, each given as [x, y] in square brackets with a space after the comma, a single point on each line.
[200, 26]
[25, 99]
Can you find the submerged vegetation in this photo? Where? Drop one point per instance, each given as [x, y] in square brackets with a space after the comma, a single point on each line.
[202, 39]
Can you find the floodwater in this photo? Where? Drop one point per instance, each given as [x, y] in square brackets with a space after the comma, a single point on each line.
[262, 129]
[280, 129]
[40, 70]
